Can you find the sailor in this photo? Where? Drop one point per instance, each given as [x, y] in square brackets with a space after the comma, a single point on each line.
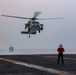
[60, 54]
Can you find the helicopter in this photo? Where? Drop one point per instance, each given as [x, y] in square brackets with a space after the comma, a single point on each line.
[33, 25]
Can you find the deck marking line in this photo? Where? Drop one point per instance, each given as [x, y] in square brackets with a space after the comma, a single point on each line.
[54, 71]
[70, 58]
[64, 58]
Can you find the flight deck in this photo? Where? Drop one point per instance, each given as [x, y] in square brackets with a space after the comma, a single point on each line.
[45, 64]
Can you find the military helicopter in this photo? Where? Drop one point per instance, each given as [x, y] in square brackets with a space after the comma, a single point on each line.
[33, 25]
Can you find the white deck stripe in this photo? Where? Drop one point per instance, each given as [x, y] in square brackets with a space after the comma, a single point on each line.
[54, 71]
[56, 57]
[39, 67]
[70, 58]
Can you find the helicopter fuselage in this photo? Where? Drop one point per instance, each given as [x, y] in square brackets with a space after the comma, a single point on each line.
[32, 27]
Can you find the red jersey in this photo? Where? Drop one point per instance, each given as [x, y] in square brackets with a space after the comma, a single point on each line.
[60, 50]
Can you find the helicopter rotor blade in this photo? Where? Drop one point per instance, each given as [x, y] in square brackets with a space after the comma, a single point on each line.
[36, 14]
[15, 17]
[50, 18]
[34, 18]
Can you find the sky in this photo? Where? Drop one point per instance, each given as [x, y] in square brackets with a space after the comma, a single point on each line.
[55, 31]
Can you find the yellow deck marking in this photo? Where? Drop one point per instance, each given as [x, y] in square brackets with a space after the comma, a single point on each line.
[54, 71]
[8, 60]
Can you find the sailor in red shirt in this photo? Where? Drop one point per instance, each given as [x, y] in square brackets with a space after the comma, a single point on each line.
[60, 53]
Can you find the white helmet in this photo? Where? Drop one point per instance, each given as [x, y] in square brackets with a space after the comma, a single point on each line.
[60, 45]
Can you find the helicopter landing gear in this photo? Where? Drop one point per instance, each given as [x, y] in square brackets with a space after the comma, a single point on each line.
[29, 36]
[39, 31]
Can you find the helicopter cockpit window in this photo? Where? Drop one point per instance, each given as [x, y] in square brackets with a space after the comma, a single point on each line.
[35, 23]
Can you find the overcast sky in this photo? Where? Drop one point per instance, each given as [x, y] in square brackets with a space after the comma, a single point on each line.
[55, 31]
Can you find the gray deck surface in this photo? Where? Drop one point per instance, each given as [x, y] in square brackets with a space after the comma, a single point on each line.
[47, 61]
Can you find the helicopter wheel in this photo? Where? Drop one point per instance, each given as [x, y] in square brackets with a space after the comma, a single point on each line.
[39, 31]
[29, 36]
